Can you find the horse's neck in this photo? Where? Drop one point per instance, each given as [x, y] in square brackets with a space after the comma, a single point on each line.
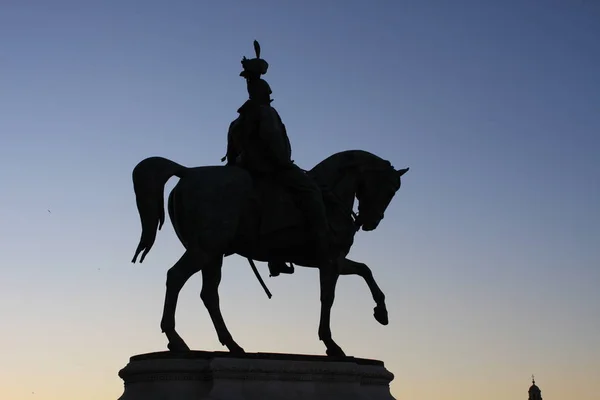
[339, 173]
[341, 215]
[345, 190]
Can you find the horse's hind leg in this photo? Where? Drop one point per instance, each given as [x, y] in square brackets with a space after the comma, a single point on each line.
[177, 276]
[349, 267]
[211, 278]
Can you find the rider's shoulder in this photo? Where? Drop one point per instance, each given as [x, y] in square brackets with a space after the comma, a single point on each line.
[267, 110]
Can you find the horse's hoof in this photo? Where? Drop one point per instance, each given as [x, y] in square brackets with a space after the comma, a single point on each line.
[333, 350]
[234, 348]
[176, 343]
[178, 347]
[381, 315]
[335, 353]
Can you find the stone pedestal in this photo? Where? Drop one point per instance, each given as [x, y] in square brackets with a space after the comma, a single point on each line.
[202, 375]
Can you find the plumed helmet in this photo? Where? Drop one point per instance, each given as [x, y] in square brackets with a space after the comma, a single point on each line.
[254, 67]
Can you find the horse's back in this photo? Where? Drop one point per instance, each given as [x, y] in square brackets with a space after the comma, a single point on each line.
[210, 178]
[206, 204]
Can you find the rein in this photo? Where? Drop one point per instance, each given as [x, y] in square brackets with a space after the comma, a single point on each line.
[347, 210]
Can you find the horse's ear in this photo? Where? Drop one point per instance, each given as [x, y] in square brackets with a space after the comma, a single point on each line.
[401, 172]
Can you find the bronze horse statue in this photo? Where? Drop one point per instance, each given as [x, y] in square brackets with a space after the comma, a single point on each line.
[217, 211]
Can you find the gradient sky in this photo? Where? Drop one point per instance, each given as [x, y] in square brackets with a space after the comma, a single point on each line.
[489, 254]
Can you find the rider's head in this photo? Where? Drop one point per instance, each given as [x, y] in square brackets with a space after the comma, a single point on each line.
[259, 90]
[253, 68]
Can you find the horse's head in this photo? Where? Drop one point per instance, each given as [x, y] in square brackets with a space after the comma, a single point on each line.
[376, 188]
[374, 182]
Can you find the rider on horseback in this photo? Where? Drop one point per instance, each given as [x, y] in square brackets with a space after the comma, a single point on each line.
[257, 141]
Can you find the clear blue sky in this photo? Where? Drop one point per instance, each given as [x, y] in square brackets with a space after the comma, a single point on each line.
[489, 254]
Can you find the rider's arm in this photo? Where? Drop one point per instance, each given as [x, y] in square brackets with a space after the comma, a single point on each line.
[232, 149]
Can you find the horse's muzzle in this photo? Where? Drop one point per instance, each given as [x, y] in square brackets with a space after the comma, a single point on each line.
[370, 225]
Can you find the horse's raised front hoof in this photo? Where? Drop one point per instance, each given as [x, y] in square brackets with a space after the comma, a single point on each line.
[381, 315]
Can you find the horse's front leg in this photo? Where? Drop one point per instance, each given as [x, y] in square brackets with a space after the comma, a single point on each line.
[177, 276]
[211, 278]
[328, 279]
[349, 267]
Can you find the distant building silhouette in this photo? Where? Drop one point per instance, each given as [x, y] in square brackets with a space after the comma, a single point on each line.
[534, 392]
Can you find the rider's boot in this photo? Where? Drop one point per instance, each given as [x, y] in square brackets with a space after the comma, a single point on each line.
[323, 255]
[279, 267]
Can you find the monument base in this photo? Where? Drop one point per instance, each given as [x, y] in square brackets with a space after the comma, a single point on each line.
[200, 375]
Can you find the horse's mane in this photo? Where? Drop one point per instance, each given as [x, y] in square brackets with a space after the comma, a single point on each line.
[328, 169]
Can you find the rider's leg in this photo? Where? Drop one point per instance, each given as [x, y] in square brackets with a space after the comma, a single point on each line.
[310, 201]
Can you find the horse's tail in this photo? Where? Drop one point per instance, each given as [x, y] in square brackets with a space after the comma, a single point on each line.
[149, 179]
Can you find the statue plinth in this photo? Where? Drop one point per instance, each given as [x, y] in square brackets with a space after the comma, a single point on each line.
[202, 375]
